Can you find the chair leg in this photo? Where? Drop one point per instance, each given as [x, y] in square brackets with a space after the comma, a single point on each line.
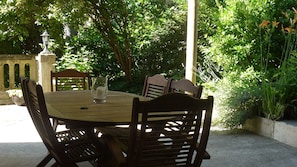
[55, 165]
[55, 124]
[45, 160]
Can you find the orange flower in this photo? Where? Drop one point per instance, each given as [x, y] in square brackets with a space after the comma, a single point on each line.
[295, 11]
[295, 16]
[283, 29]
[289, 29]
[264, 23]
[285, 14]
[275, 24]
[293, 21]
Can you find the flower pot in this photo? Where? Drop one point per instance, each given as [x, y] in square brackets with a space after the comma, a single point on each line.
[18, 100]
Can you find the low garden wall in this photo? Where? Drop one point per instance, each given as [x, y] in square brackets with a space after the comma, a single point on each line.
[282, 131]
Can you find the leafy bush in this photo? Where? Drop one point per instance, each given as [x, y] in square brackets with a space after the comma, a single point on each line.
[158, 45]
[236, 48]
[237, 97]
[75, 60]
[279, 80]
[159, 38]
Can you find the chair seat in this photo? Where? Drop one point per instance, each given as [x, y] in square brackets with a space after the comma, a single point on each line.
[82, 151]
[78, 151]
[71, 135]
[119, 134]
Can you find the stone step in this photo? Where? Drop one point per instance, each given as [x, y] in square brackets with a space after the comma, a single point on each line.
[4, 98]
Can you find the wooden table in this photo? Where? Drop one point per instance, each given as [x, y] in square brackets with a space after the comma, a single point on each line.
[79, 106]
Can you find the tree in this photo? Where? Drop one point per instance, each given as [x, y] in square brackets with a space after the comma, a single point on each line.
[25, 19]
[21, 24]
[125, 22]
[111, 18]
[129, 27]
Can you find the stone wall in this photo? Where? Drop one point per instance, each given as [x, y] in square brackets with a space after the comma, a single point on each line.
[35, 67]
[282, 131]
[10, 62]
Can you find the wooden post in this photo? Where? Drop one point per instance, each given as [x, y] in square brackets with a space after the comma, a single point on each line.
[192, 34]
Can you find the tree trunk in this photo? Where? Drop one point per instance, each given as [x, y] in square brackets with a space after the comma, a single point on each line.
[115, 32]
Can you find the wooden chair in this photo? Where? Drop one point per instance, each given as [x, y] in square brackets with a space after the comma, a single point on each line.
[66, 147]
[155, 86]
[70, 79]
[185, 86]
[150, 147]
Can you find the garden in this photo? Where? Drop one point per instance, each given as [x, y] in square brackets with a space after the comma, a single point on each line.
[246, 49]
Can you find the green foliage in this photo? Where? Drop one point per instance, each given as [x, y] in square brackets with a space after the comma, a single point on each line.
[278, 82]
[159, 34]
[158, 38]
[237, 97]
[102, 61]
[232, 46]
[75, 60]
[145, 37]
[272, 101]
[22, 22]
[237, 46]
[151, 32]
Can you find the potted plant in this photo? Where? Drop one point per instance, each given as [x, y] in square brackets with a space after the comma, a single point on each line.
[16, 96]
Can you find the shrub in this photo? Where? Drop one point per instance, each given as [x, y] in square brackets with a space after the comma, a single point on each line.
[237, 97]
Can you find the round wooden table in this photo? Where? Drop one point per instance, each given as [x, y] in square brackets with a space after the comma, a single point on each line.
[73, 106]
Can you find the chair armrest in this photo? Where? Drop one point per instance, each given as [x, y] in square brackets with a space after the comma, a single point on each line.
[206, 154]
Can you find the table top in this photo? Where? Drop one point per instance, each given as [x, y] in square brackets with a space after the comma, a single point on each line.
[79, 106]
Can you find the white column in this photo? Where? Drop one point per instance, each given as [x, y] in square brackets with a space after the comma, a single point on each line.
[192, 34]
[46, 64]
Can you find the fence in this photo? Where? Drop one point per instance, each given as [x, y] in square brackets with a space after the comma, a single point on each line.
[14, 66]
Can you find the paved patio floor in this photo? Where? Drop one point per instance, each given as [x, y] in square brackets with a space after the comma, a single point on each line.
[20, 145]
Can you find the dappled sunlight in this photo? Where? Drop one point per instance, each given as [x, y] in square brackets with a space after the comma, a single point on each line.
[16, 125]
[20, 143]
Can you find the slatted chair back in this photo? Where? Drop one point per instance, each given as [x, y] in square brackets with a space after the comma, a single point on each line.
[35, 103]
[149, 146]
[70, 79]
[155, 86]
[185, 86]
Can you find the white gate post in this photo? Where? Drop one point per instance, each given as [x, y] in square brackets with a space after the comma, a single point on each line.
[46, 62]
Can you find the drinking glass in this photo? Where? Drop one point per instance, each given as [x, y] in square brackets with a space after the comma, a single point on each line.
[99, 89]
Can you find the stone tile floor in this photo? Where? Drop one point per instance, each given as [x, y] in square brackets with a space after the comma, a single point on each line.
[20, 145]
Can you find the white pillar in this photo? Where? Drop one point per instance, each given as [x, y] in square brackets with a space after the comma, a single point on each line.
[46, 62]
[192, 34]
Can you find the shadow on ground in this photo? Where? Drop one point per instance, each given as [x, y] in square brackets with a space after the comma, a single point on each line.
[20, 145]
